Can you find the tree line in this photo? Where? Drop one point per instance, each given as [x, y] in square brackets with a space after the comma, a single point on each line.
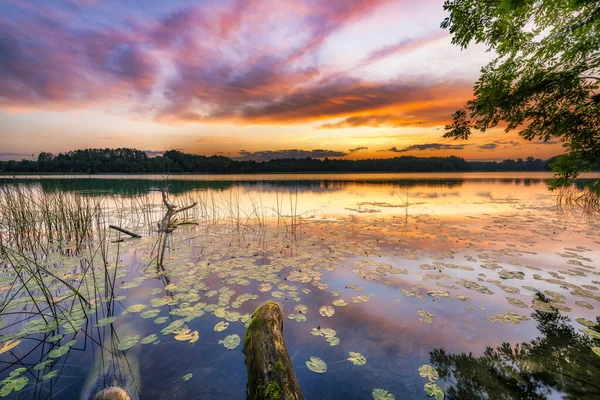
[106, 161]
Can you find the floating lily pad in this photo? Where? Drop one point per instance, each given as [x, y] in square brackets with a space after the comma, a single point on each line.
[172, 327]
[187, 377]
[434, 390]
[427, 371]
[14, 382]
[149, 339]
[11, 344]
[333, 341]
[586, 322]
[42, 365]
[357, 358]
[301, 308]
[230, 342]
[161, 320]
[136, 308]
[584, 304]
[105, 321]
[185, 335]
[221, 326]
[49, 375]
[316, 365]
[382, 394]
[62, 350]
[128, 342]
[591, 333]
[339, 303]
[150, 313]
[327, 311]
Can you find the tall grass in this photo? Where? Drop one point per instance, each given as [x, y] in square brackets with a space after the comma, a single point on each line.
[571, 199]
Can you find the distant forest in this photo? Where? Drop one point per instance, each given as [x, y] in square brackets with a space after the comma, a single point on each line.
[101, 161]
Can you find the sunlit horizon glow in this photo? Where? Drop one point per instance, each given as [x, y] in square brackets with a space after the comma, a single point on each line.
[245, 79]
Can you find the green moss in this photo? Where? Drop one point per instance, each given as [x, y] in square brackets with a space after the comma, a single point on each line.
[279, 367]
[273, 391]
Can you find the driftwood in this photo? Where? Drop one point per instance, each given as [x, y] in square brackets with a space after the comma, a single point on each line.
[165, 225]
[270, 372]
[117, 228]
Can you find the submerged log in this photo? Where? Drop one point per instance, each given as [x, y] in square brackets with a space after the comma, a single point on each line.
[270, 372]
[118, 228]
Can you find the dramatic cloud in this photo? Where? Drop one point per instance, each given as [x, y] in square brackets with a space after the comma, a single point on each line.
[47, 64]
[245, 62]
[428, 146]
[291, 153]
[354, 150]
[413, 112]
[401, 47]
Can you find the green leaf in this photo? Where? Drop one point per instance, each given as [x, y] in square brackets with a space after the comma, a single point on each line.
[434, 390]
[316, 365]
[230, 342]
[221, 326]
[187, 377]
[427, 371]
[128, 342]
[382, 394]
[105, 321]
[357, 358]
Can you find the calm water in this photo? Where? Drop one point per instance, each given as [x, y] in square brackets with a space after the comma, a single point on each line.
[481, 276]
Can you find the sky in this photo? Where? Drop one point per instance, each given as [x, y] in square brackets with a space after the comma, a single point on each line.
[248, 79]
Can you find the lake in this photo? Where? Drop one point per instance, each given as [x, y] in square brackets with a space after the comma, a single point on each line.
[479, 285]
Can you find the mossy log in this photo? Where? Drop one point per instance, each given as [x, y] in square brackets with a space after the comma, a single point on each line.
[270, 372]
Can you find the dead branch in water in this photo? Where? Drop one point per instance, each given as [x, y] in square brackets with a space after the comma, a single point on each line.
[132, 234]
[165, 225]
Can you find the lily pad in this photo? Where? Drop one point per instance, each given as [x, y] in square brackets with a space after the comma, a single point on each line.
[187, 377]
[186, 335]
[586, 322]
[49, 375]
[14, 382]
[327, 311]
[427, 371]
[221, 326]
[301, 308]
[339, 303]
[105, 321]
[62, 350]
[357, 358]
[333, 341]
[149, 339]
[9, 345]
[150, 313]
[317, 365]
[382, 394]
[434, 390]
[230, 342]
[136, 308]
[128, 342]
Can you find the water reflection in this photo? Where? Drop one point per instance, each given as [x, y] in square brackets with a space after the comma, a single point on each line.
[560, 359]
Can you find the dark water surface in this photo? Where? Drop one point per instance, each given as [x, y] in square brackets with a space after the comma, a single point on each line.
[481, 276]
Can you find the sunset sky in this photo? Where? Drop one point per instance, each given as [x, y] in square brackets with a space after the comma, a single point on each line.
[246, 79]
